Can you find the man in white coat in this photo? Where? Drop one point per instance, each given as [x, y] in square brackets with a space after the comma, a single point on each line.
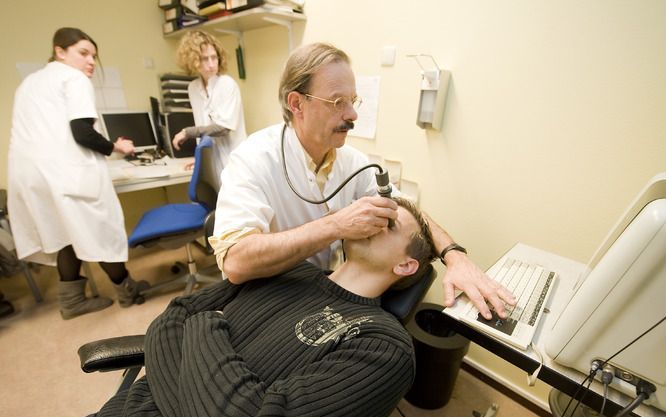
[262, 227]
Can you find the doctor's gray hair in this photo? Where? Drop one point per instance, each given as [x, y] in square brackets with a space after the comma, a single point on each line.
[301, 66]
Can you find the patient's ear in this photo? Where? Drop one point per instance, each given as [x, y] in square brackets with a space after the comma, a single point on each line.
[408, 267]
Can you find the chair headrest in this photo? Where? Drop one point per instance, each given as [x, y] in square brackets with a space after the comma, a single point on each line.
[402, 303]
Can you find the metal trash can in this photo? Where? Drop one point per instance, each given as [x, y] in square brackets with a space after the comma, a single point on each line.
[439, 353]
[557, 400]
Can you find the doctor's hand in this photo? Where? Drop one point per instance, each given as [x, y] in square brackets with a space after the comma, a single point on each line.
[365, 217]
[463, 274]
[178, 139]
[123, 145]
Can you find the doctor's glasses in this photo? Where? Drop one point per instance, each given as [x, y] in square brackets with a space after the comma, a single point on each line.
[340, 103]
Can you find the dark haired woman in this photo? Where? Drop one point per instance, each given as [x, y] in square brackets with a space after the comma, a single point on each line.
[62, 203]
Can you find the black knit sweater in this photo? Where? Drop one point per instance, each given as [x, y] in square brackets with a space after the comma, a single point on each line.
[293, 345]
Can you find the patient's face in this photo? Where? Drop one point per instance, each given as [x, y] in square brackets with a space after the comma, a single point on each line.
[386, 248]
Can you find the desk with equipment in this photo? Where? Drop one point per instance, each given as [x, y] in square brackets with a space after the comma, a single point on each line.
[148, 168]
[604, 321]
[164, 172]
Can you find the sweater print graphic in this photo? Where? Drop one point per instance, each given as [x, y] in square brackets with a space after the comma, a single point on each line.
[319, 328]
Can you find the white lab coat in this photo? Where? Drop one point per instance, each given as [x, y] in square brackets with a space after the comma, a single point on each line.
[219, 103]
[254, 192]
[60, 193]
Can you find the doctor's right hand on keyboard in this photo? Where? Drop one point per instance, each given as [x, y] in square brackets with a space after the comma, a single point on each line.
[463, 274]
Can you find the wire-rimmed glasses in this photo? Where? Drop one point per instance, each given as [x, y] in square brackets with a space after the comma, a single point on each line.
[340, 103]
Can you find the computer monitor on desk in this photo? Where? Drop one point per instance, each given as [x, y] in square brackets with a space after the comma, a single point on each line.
[619, 298]
[174, 123]
[137, 125]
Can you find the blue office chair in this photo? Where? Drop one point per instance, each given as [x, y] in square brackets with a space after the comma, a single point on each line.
[176, 225]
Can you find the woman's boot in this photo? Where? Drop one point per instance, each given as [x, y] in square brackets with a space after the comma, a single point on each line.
[129, 292]
[73, 301]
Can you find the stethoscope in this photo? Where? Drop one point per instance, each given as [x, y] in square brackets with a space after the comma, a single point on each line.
[384, 187]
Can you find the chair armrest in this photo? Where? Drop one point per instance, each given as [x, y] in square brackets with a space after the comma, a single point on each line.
[112, 354]
[209, 227]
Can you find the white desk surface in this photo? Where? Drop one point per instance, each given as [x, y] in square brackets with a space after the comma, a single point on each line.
[130, 176]
[568, 271]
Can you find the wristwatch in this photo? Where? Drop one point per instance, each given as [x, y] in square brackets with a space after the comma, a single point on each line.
[453, 246]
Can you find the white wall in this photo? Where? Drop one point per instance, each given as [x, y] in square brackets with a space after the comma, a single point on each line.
[554, 119]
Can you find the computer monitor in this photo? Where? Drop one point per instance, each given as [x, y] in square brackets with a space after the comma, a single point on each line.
[174, 123]
[158, 122]
[618, 298]
[137, 125]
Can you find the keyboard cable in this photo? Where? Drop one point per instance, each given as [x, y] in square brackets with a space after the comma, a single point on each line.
[531, 378]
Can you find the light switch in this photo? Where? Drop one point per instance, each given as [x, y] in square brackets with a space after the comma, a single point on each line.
[388, 56]
[148, 63]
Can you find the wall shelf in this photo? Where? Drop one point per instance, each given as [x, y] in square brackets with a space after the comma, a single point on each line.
[255, 18]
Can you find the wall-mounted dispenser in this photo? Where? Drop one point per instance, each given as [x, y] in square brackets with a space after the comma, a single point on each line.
[432, 101]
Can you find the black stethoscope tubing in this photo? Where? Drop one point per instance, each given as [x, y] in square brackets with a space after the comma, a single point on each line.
[337, 190]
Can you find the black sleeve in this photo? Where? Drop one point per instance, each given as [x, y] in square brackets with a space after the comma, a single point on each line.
[86, 136]
[164, 342]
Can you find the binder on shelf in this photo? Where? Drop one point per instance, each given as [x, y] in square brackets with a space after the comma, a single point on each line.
[187, 20]
[221, 13]
[213, 8]
[165, 4]
[205, 3]
[240, 5]
[172, 13]
[169, 27]
[191, 5]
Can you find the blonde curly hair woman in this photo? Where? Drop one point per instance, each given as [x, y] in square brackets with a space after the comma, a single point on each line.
[214, 95]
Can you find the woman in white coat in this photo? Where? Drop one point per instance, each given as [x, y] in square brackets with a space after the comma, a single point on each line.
[214, 96]
[61, 199]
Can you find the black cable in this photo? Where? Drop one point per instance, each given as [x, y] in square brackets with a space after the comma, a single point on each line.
[635, 403]
[337, 190]
[633, 341]
[594, 371]
[591, 375]
[587, 389]
[397, 408]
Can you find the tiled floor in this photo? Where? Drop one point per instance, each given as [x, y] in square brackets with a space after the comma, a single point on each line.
[40, 368]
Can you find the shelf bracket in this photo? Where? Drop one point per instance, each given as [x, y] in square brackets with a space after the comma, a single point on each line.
[237, 33]
[283, 23]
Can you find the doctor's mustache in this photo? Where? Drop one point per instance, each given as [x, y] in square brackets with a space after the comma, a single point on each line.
[345, 126]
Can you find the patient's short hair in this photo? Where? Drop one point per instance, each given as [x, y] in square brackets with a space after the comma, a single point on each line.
[421, 247]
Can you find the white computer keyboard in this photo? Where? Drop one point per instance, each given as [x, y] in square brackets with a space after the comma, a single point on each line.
[531, 285]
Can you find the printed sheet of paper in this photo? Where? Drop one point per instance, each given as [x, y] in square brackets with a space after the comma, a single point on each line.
[367, 87]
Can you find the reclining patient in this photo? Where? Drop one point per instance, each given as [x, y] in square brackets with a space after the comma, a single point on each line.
[301, 344]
